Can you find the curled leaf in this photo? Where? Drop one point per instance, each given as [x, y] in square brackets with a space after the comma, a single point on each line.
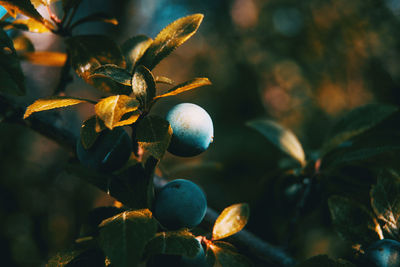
[112, 109]
[88, 132]
[231, 220]
[52, 103]
[113, 72]
[283, 138]
[143, 85]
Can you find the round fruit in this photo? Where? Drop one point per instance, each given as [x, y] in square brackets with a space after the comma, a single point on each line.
[383, 253]
[180, 203]
[110, 151]
[192, 130]
[198, 261]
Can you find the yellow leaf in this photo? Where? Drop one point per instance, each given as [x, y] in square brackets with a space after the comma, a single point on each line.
[46, 58]
[113, 108]
[231, 220]
[33, 25]
[186, 86]
[170, 38]
[52, 103]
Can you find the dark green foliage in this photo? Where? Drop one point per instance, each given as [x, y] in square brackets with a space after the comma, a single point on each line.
[324, 260]
[124, 236]
[11, 76]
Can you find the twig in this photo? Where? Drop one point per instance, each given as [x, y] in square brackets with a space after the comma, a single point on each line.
[248, 243]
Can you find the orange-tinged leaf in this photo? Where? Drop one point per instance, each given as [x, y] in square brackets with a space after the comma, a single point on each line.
[170, 38]
[24, 7]
[45, 58]
[134, 48]
[231, 220]
[32, 25]
[52, 103]
[186, 86]
[112, 109]
[165, 80]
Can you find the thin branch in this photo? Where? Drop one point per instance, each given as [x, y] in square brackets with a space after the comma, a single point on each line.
[248, 243]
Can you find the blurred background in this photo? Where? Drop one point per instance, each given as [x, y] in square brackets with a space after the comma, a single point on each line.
[301, 63]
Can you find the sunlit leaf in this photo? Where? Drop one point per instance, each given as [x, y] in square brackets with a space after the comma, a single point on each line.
[180, 242]
[52, 103]
[37, 3]
[23, 44]
[124, 236]
[153, 134]
[231, 220]
[32, 25]
[225, 257]
[90, 226]
[186, 86]
[283, 138]
[113, 72]
[11, 76]
[88, 132]
[165, 80]
[353, 221]
[61, 259]
[385, 201]
[88, 52]
[96, 17]
[356, 122]
[112, 109]
[45, 58]
[170, 38]
[324, 260]
[143, 85]
[134, 48]
[24, 7]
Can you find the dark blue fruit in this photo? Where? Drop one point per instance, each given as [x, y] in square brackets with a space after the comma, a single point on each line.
[180, 203]
[192, 130]
[383, 253]
[110, 151]
[198, 261]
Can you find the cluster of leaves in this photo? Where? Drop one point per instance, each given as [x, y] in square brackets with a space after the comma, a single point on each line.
[130, 237]
[363, 210]
[120, 237]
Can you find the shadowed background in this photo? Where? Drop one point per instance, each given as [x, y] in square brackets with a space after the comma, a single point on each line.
[303, 64]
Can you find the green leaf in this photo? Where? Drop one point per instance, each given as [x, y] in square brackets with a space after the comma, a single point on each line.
[24, 7]
[231, 220]
[134, 48]
[124, 236]
[225, 257]
[165, 80]
[283, 138]
[96, 17]
[324, 260]
[143, 85]
[61, 259]
[45, 58]
[186, 86]
[11, 76]
[113, 72]
[353, 221]
[170, 38]
[91, 257]
[153, 134]
[385, 201]
[356, 122]
[32, 25]
[90, 226]
[180, 242]
[52, 103]
[88, 132]
[89, 52]
[113, 108]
